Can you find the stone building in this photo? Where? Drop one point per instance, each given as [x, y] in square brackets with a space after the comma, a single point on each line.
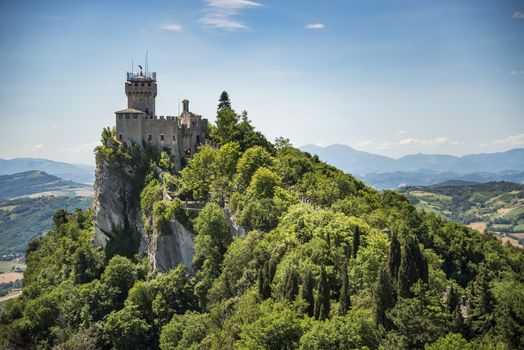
[181, 135]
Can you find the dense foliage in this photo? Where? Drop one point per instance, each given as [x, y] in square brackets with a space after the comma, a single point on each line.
[326, 263]
[23, 219]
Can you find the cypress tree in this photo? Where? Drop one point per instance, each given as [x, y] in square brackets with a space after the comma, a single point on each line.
[344, 302]
[291, 285]
[413, 267]
[264, 282]
[322, 303]
[385, 297]
[452, 299]
[483, 301]
[394, 257]
[307, 293]
[356, 242]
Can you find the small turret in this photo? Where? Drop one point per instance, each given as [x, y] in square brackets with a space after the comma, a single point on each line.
[185, 105]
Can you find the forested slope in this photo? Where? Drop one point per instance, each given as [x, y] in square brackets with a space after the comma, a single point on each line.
[327, 263]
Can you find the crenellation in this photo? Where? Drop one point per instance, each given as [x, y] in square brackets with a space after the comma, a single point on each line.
[180, 135]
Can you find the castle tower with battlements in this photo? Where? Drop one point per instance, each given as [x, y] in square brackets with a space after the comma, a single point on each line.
[180, 135]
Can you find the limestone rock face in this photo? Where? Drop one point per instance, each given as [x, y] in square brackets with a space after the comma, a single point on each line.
[113, 203]
[166, 251]
[116, 209]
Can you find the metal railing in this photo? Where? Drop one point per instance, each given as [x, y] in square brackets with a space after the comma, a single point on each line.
[131, 75]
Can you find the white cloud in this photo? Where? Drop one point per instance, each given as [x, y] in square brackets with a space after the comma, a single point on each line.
[172, 27]
[315, 26]
[515, 140]
[517, 72]
[222, 23]
[402, 132]
[518, 15]
[232, 4]
[221, 14]
[409, 142]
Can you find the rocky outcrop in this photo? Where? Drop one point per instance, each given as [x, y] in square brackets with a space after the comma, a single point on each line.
[168, 250]
[115, 204]
[118, 221]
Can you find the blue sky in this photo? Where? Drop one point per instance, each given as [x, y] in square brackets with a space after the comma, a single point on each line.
[390, 77]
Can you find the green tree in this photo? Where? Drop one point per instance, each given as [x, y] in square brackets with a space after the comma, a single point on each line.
[119, 276]
[307, 293]
[185, 331]
[356, 242]
[198, 175]
[322, 304]
[224, 102]
[450, 341]
[413, 267]
[125, 329]
[385, 297]
[174, 294]
[344, 301]
[263, 184]
[251, 160]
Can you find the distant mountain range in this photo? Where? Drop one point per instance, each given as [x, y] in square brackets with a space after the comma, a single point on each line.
[37, 184]
[423, 169]
[74, 172]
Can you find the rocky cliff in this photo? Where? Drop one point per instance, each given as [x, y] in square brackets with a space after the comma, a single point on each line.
[118, 221]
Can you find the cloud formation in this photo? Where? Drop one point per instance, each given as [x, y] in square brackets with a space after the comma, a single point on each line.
[517, 72]
[172, 27]
[409, 142]
[515, 140]
[315, 26]
[221, 13]
[518, 15]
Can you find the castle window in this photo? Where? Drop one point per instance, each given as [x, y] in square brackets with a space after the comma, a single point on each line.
[136, 84]
[149, 137]
[161, 137]
[120, 136]
[173, 137]
[142, 84]
[148, 84]
[127, 116]
[198, 138]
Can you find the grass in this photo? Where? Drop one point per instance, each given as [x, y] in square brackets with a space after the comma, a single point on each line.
[8, 266]
[514, 213]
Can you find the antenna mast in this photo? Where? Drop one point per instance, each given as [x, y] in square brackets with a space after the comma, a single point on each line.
[146, 62]
[132, 66]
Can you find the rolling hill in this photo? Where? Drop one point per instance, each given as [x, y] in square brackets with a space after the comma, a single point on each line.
[28, 201]
[74, 172]
[497, 206]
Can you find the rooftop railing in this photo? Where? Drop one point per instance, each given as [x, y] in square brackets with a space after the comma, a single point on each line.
[140, 75]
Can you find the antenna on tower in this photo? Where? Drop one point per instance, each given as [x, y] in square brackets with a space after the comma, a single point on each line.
[132, 66]
[146, 62]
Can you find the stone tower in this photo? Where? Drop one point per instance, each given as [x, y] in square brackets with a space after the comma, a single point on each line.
[141, 92]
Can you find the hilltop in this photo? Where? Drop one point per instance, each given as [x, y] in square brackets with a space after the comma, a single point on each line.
[252, 244]
[74, 172]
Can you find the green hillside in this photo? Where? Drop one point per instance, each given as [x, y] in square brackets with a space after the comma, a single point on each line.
[498, 206]
[26, 218]
[38, 183]
[327, 263]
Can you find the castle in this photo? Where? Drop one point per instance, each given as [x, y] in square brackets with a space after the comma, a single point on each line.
[181, 135]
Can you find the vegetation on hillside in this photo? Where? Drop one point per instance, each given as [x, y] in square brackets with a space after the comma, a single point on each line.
[327, 263]
[500, 205]
[23, 219]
